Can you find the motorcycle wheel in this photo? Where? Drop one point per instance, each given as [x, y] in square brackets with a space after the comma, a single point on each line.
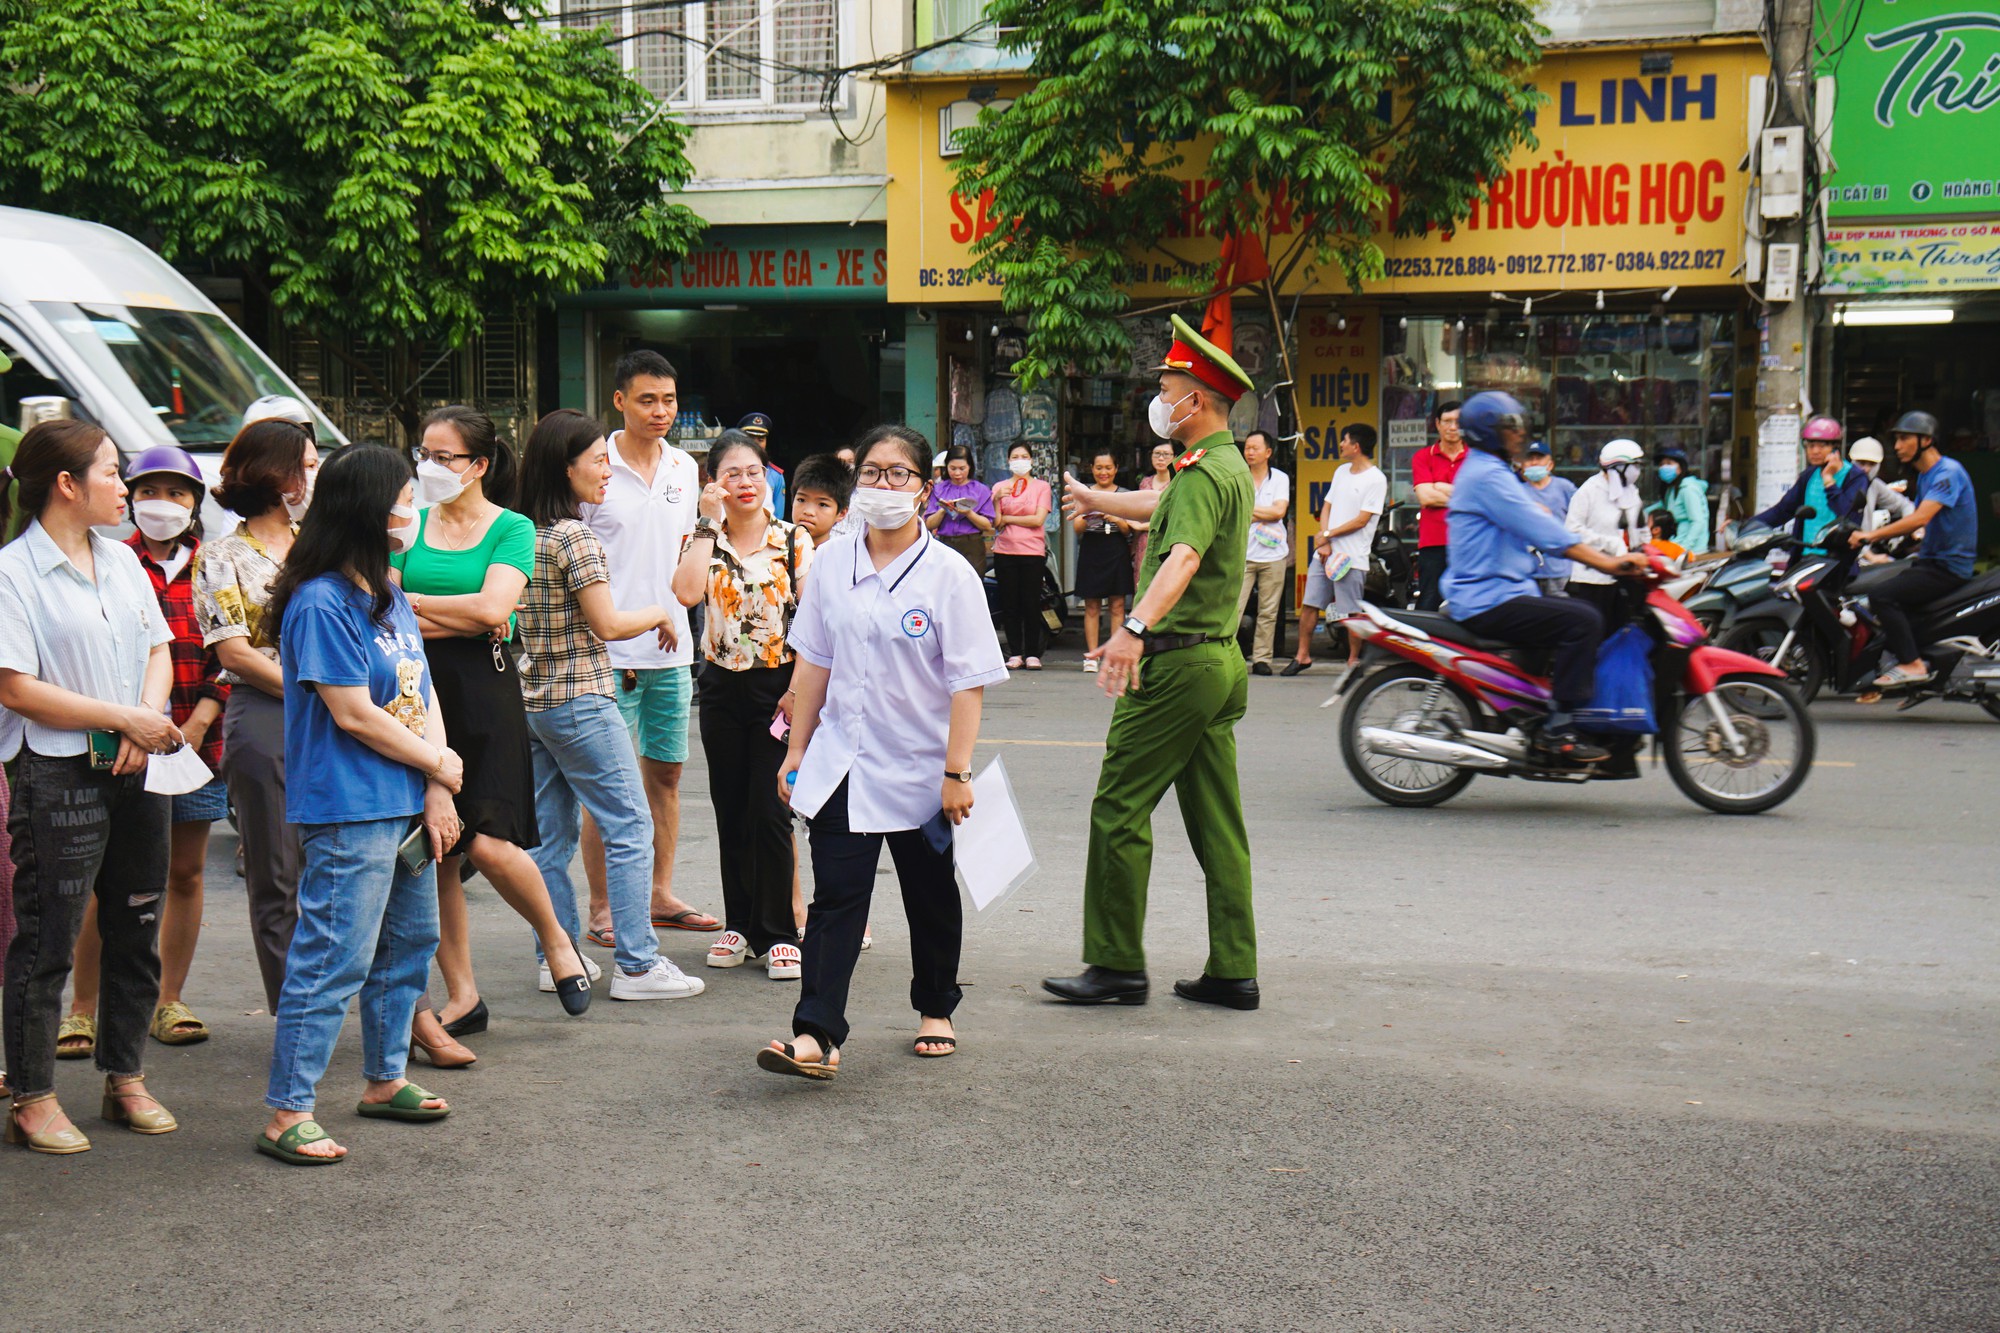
[1780, 742]
[1759, 638]
[1389, 698]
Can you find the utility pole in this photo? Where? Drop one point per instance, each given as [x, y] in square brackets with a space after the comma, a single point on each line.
[1783, 388]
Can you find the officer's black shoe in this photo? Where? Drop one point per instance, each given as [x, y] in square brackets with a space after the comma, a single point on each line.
[1563, 747]
[1241, 994]
[1260, 668]
[1099, 985]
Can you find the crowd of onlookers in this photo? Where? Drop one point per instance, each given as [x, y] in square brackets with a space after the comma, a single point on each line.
[403, 671]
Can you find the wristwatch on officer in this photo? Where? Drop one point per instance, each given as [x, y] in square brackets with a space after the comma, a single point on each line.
[966, 776]
[1136, 627]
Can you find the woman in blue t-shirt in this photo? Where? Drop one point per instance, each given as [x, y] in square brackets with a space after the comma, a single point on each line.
[362, 719]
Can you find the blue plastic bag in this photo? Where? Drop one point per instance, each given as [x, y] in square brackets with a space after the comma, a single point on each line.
[1623, 700]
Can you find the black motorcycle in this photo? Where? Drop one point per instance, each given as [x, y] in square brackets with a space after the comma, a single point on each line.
[1818, 628]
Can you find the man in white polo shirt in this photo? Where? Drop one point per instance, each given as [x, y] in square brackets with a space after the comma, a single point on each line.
[1338, 570]
[647, 515]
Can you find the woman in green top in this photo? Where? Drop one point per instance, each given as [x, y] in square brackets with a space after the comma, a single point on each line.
[464, 574]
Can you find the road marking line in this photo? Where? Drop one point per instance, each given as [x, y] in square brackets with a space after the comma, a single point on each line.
[1002, 740]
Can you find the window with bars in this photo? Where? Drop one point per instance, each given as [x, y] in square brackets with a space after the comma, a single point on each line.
[720, 53]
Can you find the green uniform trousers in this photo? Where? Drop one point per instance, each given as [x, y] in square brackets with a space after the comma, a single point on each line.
[1179, 730]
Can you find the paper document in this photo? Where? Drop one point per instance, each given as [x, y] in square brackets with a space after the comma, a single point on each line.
[178, 773]
[991, 846]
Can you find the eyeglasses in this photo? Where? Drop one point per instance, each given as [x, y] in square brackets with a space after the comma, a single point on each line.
[452, 461]
[896, 475]
[735, 475]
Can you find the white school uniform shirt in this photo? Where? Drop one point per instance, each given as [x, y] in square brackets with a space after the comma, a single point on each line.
[898, 644]
[91, 638]
[643, 529]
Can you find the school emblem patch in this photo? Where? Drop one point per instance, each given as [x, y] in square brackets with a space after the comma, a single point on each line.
[916, 623]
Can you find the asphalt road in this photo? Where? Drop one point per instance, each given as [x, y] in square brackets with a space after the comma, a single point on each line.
[1545, 1058]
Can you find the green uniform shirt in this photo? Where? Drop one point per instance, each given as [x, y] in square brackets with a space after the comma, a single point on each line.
[1207, 509]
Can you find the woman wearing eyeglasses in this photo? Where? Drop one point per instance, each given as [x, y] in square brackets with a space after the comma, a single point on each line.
[896, 649]
[464, 572]
[745, 568]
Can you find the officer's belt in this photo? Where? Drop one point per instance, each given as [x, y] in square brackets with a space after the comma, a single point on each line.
[1167, 643]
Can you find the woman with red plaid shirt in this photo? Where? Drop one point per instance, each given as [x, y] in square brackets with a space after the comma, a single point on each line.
[167, 491]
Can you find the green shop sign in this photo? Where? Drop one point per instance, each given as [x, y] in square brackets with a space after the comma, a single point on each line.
[1916, 122]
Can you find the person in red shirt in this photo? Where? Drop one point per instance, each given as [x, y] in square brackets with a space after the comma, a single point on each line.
[1432, 472]
[167, 491]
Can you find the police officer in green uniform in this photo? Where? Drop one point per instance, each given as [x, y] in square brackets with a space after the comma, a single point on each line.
[1181, 687]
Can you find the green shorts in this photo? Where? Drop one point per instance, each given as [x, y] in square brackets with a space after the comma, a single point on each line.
[656, 712]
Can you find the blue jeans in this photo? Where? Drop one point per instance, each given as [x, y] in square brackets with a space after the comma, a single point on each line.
[583, 757]
[366, 925]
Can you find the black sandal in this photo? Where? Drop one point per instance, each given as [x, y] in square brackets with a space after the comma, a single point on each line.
[950, 1045]
[785, 1060]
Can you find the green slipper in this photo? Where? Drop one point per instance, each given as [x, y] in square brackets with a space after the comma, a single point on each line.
[407, 1104]
[286, 1146]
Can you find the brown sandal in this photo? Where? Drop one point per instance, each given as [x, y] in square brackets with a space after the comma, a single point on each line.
[785, 1061]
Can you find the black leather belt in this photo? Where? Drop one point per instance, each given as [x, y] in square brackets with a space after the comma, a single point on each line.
[1167, 643]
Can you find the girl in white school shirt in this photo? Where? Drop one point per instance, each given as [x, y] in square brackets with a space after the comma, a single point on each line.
[894, 649]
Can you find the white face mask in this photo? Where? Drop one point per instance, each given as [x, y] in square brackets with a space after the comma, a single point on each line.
[296, 509]
[401, 539]
[883, 509]
[162, 520]
[1020, 467]
[438, 484]
[1160, 414]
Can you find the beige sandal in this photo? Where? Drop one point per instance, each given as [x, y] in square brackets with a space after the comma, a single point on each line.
[154, 1119]
[56, 1142]
[77, 1028]
[174, 1024]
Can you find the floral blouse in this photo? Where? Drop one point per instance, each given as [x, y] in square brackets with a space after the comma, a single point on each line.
[232, 585]
[751, 596]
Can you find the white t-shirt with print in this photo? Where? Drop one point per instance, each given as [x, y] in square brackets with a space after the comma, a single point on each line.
[1349, 495]
[643, 529]
[1267, 540]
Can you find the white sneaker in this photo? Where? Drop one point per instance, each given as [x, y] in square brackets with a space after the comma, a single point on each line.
[729, 950]
[547, 982]
[1089, 668]
[662, 981]
[783, 963]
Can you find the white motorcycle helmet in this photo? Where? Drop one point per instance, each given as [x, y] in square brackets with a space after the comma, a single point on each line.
[282, 406]
[1620, 451]
[1867, 449]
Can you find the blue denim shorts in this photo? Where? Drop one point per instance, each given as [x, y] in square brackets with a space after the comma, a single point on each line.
[656, 711]
[203, 805]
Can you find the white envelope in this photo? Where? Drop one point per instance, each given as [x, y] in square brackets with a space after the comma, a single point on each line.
[178, 773]
[990, 848]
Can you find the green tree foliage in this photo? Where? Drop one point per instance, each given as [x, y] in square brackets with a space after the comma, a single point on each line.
[387, 172]
[1288, 92]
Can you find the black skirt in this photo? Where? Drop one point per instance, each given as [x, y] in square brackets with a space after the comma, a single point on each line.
[486, 722]
[1103, 565]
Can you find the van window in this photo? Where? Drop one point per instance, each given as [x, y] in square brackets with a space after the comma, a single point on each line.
[187, 370]
[21, 379]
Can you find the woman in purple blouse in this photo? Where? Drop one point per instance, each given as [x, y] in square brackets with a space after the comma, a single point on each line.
[960, 511]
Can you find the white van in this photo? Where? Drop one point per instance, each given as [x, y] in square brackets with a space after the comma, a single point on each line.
[90, 316]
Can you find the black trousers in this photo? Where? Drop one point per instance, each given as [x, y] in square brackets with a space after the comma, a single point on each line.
[80, 833]
[1573, 628]
[1432, 561]
[1020, 579]
[1608, 598]
[752, 822]
[843, 882]
[1919, 582]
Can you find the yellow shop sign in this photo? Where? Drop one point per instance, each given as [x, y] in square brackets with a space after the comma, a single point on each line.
[1633, 184]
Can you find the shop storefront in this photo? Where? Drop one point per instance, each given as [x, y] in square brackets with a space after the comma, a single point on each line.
[793, 322]
[1912, 255]
[1596, 283]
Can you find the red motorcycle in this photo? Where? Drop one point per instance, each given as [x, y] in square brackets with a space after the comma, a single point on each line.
[1415, 732]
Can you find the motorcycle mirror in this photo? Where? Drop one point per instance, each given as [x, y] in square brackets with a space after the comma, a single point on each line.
[1808, 512]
